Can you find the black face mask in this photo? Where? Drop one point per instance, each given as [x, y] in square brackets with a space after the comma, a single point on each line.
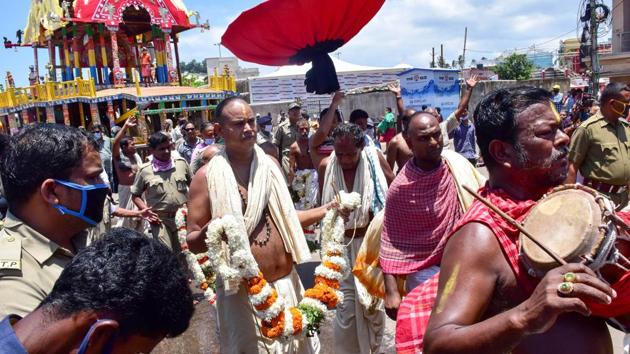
[92, 202]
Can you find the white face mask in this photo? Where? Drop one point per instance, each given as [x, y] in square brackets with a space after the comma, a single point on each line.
[268, 128]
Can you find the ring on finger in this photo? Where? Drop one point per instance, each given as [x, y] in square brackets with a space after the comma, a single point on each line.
[570, 277]
[565, 288]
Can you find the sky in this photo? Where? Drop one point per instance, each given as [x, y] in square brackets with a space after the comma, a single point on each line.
[404, 31]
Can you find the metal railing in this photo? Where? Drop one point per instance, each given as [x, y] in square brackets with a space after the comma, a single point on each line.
[47, 91]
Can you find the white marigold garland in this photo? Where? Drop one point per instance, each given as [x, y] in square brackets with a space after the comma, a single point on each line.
[278, 320]
[199, 265]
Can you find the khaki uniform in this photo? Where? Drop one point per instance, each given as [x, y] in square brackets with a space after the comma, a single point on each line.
[30, 264]
[601, 150]
[165, 192]
[284, 137]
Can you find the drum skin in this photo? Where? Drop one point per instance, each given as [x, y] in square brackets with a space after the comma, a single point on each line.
[566, 222]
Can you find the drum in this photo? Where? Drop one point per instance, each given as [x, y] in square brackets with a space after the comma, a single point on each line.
[574, 222]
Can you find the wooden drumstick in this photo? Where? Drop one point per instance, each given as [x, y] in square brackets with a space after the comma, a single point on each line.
[516, 224]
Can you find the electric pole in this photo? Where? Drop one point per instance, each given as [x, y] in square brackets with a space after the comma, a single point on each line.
[433, 57]
[594, 54]
[463, 64]
[441, 61]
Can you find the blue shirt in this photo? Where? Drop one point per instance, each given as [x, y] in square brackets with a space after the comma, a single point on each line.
[557, 99]
[9, 342]
[464, 138]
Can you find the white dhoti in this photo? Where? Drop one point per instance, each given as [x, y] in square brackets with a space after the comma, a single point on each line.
[357, 329]
[125, 202]
[240, 329]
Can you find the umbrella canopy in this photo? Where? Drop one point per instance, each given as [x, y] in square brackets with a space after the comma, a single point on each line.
[293, 32]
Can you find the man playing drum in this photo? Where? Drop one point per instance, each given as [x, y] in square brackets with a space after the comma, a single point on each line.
[486, 302]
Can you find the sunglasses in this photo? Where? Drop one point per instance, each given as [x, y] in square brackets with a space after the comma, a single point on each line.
[626, 105]
[189, 129]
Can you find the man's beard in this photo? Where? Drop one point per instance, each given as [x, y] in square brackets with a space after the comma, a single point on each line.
[552, 175]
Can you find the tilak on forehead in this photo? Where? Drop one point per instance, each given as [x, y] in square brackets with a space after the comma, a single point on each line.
[555, 111]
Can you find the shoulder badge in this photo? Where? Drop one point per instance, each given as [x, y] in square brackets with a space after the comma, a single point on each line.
[10, 252]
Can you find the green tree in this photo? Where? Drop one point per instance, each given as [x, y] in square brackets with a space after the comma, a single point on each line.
[515, 67]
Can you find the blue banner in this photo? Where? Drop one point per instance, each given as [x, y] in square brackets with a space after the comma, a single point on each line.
[430, 87]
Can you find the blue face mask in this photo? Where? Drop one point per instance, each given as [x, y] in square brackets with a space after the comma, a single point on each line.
[109, 347]
[92, 202]
[209, 141]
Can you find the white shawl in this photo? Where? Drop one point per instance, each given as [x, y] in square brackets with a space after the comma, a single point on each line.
[266, 187]
[364, 184]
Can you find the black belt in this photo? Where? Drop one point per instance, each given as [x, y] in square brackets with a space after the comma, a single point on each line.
[605, 187]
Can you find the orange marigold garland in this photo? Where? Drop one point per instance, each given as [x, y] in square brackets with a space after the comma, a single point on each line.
[278, 320]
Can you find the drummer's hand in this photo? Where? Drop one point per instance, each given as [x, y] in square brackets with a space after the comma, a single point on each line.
[538, 313]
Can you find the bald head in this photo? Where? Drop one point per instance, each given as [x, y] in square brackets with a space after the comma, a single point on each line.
[407, 113]
[227, 103]
[424, 138]
[423, 121]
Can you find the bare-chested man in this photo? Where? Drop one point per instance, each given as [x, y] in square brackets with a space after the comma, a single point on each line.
[320, 145]
[126, 164]
[398, 152]
[486, 301]
[242, 180]
[299, 156]
[353, 168]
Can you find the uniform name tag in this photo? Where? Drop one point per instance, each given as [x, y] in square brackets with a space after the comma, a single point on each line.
[10, 252]
[9, 264]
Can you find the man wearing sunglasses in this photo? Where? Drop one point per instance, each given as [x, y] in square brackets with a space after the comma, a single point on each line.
[600, 147]
[190, 142]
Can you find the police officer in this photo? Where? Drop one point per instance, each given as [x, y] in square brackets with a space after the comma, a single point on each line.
[287, 134]
[164, 182]
[54, 192]
[600, 147]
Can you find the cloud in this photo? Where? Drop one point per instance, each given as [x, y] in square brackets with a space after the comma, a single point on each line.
[406, 30]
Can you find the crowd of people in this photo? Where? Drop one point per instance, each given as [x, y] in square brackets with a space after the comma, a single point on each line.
[88, 270]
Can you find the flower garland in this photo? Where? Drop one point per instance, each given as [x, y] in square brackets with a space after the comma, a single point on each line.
[302, 183]
[199, 265]
[278, 320]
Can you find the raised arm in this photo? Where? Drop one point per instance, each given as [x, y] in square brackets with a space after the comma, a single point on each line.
[326, 122]
[469, 274]
[130, 123]
[400, 106]
[463, 103]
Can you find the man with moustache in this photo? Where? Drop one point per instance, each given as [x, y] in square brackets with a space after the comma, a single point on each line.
[302, 173]
[600, 147]
[164, 182]
[243, 181]
[353, 168]
[286, 134]
[485, 300]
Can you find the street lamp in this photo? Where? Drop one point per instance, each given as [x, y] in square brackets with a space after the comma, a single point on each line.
[219, 45]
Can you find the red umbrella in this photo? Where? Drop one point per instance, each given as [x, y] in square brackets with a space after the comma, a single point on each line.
[294, 32]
